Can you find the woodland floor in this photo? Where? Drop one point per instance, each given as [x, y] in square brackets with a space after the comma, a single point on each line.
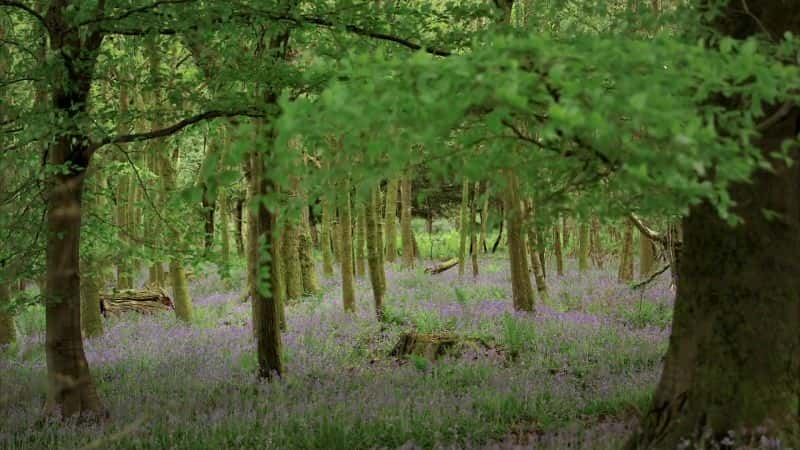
[575, 374]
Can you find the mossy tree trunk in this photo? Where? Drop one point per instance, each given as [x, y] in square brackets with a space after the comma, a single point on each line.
[292, 268]
[390, 220]
[377, 275]
[346, 249]
[647, 261]
[92, 267]
[225, 236]
[734, 353]
[406, 232]
[484, 222]
[8, 330]
[595, 246]
[521, 289]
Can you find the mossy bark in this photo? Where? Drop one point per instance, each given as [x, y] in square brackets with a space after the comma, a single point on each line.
[406, 232]
[734, 354]
[647, 261]
[533, 251]
[521, 289]
[595, 246]
[374, 252]
[390, 220]
[8, 330]
[484, 224]
[225, 236]
[346, 248]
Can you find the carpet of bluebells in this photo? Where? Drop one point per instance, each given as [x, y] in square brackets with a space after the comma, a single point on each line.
[577, 373]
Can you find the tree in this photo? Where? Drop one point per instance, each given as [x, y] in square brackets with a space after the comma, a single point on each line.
[737, 285]
[406, 233]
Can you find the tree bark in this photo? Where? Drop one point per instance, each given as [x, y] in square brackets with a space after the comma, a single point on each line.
[558, 250]
[521, 289]
[734, 351]
[533, 251]
[374, 252]
[391, 220]
[8, 330]
[309, 269]
[625, 272]
[360, 239]
[325, 239]
[463, 227]
[292, 270]
[406, 232]
[473, 235]
[647, 259]
[346, 257]
[583, 247]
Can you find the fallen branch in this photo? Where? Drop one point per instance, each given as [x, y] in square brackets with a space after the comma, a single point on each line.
[650, 280]
[145, 301]
[442, 266]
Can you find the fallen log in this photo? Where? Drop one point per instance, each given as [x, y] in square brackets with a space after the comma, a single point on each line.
[442, 266]
[143, 301]
[434, 345]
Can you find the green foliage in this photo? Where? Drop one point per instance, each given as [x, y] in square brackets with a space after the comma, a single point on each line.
[647, 313]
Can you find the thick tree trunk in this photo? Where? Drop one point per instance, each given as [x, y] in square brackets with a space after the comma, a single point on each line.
[71, 389]
[521, 289]
[734, 352]
[390, 219]
[180, 291]
[374, 252]
[348, 286]
[406, 232]
[647, 261]
[625, 272]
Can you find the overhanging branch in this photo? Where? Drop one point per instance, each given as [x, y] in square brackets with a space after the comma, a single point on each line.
[27, 9]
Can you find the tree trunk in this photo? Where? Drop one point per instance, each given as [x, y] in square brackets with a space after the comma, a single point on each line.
[239, 224]
[521, 289]
[473, 235]
[225, 236]
[309, 269]
[583, 247]
[406, 232]
[647, 261]
[8, 331]
[360, 240]
[595, 247]
[533, 251]
[463, 228]
[292, 270]
[484, 220]
[625, 273]
[325, 239]
[346, 249]
[391, 220]
[558, 250]
[734, 353]
[374, 252]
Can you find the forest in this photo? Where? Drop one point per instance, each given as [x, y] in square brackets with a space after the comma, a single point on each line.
[399, 224]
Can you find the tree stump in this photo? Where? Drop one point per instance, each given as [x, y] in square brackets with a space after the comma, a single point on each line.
[143, 301]
[430, 346]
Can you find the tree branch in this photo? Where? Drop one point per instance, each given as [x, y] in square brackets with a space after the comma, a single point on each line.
[170, 130]
[649, 280]
[26, 8]
[647, 231]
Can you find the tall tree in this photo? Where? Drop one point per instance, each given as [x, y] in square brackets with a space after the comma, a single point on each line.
[346, 250]
[738, 284]
[375, 251]
[390, 219]
[463, 227]
[406, 233]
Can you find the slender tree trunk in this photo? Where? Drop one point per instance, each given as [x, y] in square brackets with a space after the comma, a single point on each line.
[309, 269]
[583, 247]
[406, 232]
[558, 250]
[625, 273]
[292, 269]
[360, 240]
[484, 222]
[463, 228]
[391, 220]
[348, 284]
[239, 223]
[473, 235]
[565, 235]
[521, 289]
[533, 250]
[325, 239]
[374, 252]
[596, 248]
[225, 237]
